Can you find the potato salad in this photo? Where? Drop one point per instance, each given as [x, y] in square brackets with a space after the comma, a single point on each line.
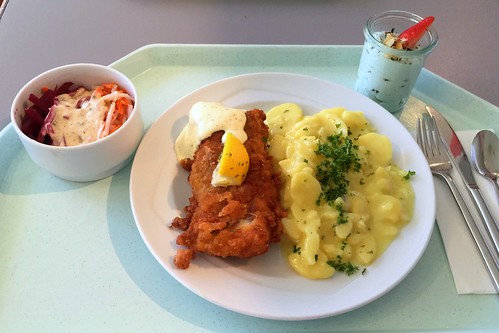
[346, 199]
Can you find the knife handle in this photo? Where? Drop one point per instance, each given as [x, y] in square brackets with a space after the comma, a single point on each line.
[489, 254]
[487, 218]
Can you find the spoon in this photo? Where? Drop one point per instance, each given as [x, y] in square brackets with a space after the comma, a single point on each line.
[485, 156]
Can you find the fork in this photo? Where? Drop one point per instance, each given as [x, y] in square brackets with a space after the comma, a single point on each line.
[428, 139]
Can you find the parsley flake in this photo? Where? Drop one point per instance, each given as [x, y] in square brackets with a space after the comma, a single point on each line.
[409, 174]
[342, 219]
[296, 249]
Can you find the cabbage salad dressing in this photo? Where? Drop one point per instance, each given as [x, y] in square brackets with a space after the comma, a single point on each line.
[78, 118]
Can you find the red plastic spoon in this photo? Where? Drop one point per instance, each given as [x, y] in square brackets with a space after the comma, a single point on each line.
[411, 36]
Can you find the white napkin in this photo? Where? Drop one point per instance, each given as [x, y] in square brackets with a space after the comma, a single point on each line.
[468, 269]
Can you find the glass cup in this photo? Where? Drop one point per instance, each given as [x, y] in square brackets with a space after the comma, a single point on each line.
[387, 75]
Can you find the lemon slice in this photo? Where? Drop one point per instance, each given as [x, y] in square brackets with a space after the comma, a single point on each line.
[233, 164]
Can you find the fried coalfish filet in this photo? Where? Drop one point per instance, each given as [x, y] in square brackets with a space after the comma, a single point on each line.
[233, 221]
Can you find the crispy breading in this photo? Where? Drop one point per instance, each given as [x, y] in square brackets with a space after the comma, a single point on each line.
[233, 221]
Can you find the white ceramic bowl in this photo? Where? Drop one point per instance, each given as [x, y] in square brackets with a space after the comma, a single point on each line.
[90, 161]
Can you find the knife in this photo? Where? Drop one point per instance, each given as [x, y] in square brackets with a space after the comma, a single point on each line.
[456, 151]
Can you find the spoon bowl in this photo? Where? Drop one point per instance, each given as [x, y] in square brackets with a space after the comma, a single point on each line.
[485, 156]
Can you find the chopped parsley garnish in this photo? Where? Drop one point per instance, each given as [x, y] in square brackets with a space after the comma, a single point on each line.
[342, 219]
[346, 267]
[340, 156]
[409, 174]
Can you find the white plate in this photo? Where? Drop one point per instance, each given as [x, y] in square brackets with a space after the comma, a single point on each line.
[266, 286]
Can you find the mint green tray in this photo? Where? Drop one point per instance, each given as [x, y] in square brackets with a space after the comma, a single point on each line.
[73, 260]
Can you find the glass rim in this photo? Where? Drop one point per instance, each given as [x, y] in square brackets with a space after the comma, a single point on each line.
[368, 34]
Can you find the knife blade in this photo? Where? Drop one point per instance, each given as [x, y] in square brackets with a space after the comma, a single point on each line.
[457, 153]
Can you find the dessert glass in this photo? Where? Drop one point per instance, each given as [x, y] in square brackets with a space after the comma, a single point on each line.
[388, 75]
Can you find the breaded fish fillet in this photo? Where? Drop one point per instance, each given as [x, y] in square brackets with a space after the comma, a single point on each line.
[233, 221]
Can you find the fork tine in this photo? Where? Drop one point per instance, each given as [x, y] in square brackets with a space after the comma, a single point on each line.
[427, 132]
[424, 134]
[434, 136]
[421, 135]
[418, 134]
